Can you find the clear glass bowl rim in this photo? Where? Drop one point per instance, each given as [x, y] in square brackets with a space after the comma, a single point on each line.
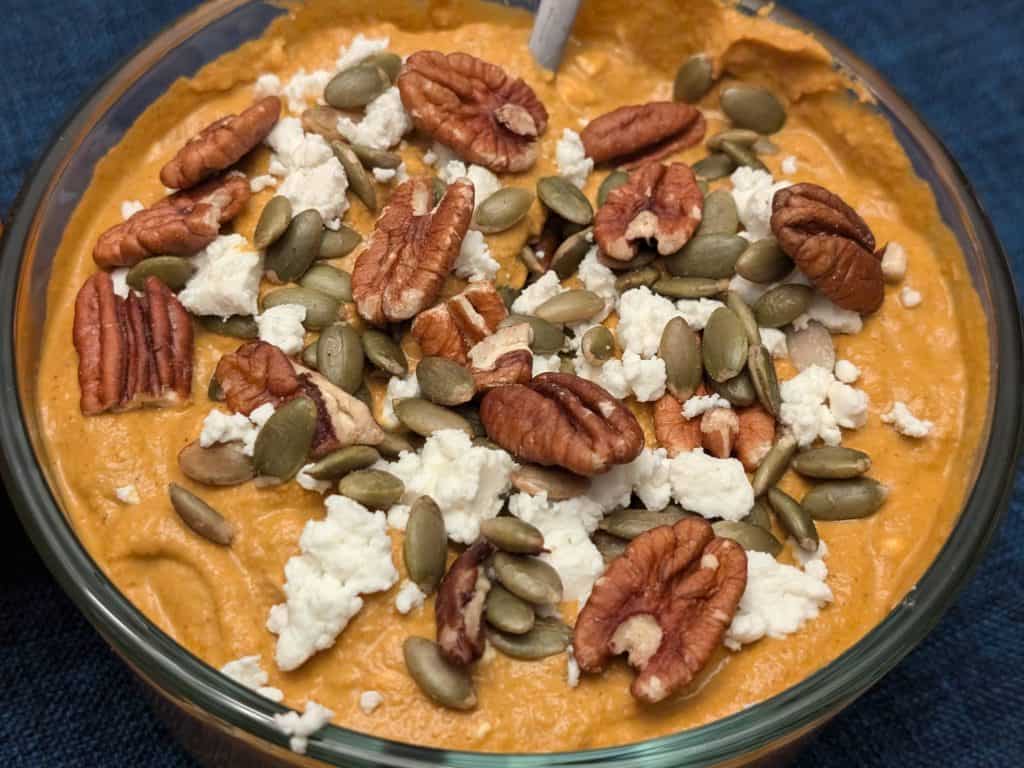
[777, 720]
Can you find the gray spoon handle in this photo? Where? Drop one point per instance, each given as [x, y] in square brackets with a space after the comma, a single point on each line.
[551, 28]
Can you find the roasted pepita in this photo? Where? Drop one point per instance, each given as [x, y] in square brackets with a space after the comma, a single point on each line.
[749, 106]
[563, 198]
[425, 548]
[502, 210]
[811, 345]
[597, 345]
[711, 256]
[611, 182]
[236, 326]
[508, 613]
[425, 418]
[572, 306]
[548, 636]
[739, 390]
[359, 180]
[547, 337]
[645, 276]
[720, 216]
[356, 86]
[529, 578]
[752, 538]
[444, 381]
[567, 257]
[336, 244]
[558, 484]
[794, 519]
[832, 463]
[273, 221]
[321, 309]
[284, 441]
[200, 516]
[724, 345]
[680, 350]
[782, 305]
[845, 499]
[218, 464]
[630, 523]
[763, 261]
[290, 255]
[775, 463]
[172, 271]
[510, 534]
[715, 166]
[373, 488]
[689, 287]
[443, 682]
[336, 465]
[765, 379]
[384, 352]
[693, 79]
[339, 357]
[329, 280]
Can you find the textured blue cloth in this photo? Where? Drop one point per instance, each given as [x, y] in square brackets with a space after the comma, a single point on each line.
[956, 701]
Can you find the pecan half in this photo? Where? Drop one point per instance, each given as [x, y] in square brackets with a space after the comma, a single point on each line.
[502, 358]
[221, 144]
[638, 134]
[254, 374]
[666, 602]
[459, 611]
[411, 250]
[755, 437]
[342, 419]
[132, 352]
[719, 428]
[562, 419]
[659, 203]
[831, 244]
[181, 224]
[673, 431]
[453, 327]
[474, 107]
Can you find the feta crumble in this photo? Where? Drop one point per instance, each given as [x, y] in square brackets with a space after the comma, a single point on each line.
[849, 406]
[301, 727]
[220, 427]
[248, 672]
[804, 410]
[305, 87]
[267, 85]
[227, 279]
[632, 375]
[383, 125]
[774, 341]
[259, 183]
[572, 669]
[905, 422]
[599, 279]
[310, 483]
[846, 371]
[648, 476]
[127, 494]
[701, 404]
[359, 49]
[369, 701]
[282, 327]
[474, 262]
[312, 176]
[711, 487]
[119, 278]
[439, 155]
[643, 315]
[894, 263]
[398, 388]
[343, 556]
[484, 182]
[573, 163]
[789, 165]
[546, 364]
[535, 294]
[409, 597]
[753, 190]
[832, 316]
[910, 298]
[130, 207]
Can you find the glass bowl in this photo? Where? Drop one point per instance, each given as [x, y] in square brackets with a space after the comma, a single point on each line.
[226, 724]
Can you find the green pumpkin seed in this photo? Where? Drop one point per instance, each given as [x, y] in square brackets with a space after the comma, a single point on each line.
[339, 463]
[502, 210]
[283, 443]
[308, 356]
[765, 146]
[740, 136]
[356, 86]
[508, 613]
[707, 256]
[200, 516]
[529, 257]
[753, 538]
[766, 381]
[646, 276]
[273, 222]
[573, 306]
[811, 345]
[609, 546]
[394, 445]
[376, 158]
[832, 463]
[720, 216]
[763, 261]
[739, 391]
[745, 314]
[598, 345]
[558, 484]
[775, 463]
[563, 198]
[444, 381]
[529, 578]
[220, 464]
[172, 271]
[689, 287]
[742, 155]
[508, 295]
[547, 337]
[329, 280]
[323, 121]
[321, 309]
[425, 418]
[289, 256]
[630, 523]
[794, 519]
[373, 488]
[236, 326]
[385, 353]
[425, 548]
[510, 534]
[759, 515]
[611, 182]
[693, 79]
[214, 392]
[339, 357]
[358, 179]
[443, 682]
[845, 499]
[567, 257]
[547, 637]
[715, 166]
[680, 349]
[782, 305]
[724, 345]
[336, 244]
[749, 106]
[390, 62]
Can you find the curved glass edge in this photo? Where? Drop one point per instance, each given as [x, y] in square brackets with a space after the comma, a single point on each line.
[783, 717]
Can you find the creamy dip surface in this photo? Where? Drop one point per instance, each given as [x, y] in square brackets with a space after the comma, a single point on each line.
[215, 600]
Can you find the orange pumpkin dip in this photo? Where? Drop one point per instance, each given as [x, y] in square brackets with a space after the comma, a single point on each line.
[214, 600]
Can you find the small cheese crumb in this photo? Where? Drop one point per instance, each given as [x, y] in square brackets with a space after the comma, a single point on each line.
[259, 183]
[474, 262]
[573, 163]
[369, 701]
[310, 483]
[360, 48]
[484, 182]
[391, 175]
[905, 422]
[127, 494]
[267, 85]
[804, 410]
[546, 364]
[832, 316]
[711, 487]
[130, 207]
[301, 727]
[894, 263]
[383, 125]
[648, 476]
[599, 279]
[789, 165]
[537, 293]
[846, 371]
[248, 672]
[227, 279]
[701, 404]
[220, 427]
[398, 388]
[409, 596]
[439, 155]
[119, 277]
[304, 87]
[572, 669]
[774, 341]
[910, 298]
[632, 375]
[313, 176]
[849, 406]
[753, 191]
[282, 327]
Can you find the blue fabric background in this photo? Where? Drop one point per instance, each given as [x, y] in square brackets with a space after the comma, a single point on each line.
[956, 701]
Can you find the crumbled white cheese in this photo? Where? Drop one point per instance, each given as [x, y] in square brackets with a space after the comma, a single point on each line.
[301, 727]
[398, 516]
[343, 556]
[398, 388]
[546, 364]
[267, 85]
[573, 163]
[909, 297]
[566, 526]
[467, 481]
[360, 47]
[248, 672]
[849, 406]
[310, 483]
[753, 191]
[127, 494]
[227, 279]
[833, 317]
[778, 599]
[220, 427]
[305, 87]
[313, 176]
[282, 327]
[894, 263]
[475, 262]
[439, 155]
[409, 596]
[572, 669]
[789, 165]
[484, 182]
[259, 183]
[369, 701]
[804, 410]
[905, 422]
[130, 207]
[597, 278]
[774, 341]
[701, 404]
[383, 125]
[537, 293]
[632, 375]
[697, 312]
[643, 315]
[391, 175]
[846, 371]
[119, 278]
[711, 487]
[648, 476]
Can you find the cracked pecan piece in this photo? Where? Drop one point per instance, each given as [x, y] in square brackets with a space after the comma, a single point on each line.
[636, 135]
[755, 437]
[502, 358]
[459, 610]
[132, 352]
[660, 203]
[181, 224]
[719, 428]
[561, 419]
[666, 602]
[254, 374]
[221, 144]
[474, 107]
[673, 431]
[453, 327]
[411, 250]
[831, 244]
